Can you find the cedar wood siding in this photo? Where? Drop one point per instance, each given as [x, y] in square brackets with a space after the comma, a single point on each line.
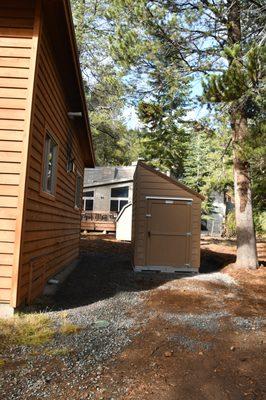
[148, 183]
[52, 225]
[17, 64]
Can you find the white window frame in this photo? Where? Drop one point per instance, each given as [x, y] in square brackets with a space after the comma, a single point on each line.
[119, 199]
[47, 143]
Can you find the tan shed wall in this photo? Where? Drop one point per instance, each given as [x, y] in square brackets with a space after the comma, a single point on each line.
[17, 56]
[51, 226]
[147, 183]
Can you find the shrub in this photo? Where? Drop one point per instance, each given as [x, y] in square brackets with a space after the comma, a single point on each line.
[28, 329]
[259, 223]
[230, 224]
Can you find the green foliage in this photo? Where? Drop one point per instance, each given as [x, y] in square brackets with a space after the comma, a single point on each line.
[152, 53]
[259, 223]
[230, 225]
[242, 85]
[170, 43]
[241, 80]
[105, 89]
[164, 142]
[208, 163]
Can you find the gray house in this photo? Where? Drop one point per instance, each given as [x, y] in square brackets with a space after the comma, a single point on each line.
[223, 203]
[106, 191]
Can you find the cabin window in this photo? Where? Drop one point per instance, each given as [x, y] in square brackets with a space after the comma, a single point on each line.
[120, 192]
[119, 198]
[50, 161]
[88, 198]
[78, 194]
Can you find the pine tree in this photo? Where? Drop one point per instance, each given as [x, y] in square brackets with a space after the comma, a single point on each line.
[235, 86]
[218, 39]
[104, 88]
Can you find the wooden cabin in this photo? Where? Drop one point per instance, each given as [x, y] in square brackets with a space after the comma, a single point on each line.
[45, 143]
[166, 223]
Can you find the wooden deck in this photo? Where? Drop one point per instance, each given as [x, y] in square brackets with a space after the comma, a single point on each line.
[98, 221]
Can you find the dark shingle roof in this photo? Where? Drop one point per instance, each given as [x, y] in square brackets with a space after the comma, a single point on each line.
[107, 175]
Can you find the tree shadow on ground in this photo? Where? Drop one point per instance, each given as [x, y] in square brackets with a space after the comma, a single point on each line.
[101, 276]
[212, 261]
[105, 269]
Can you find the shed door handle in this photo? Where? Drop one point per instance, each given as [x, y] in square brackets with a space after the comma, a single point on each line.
[149, 233]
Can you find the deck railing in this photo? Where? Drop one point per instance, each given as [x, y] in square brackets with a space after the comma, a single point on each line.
[98, 221]
[98, 216]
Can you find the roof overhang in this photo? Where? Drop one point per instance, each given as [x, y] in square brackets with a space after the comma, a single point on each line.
[58, 17]
[106, 183]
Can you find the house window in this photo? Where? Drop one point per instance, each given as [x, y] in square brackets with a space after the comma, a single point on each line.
[119, 198]
[88, 200]
[50, 163]
[78, 192]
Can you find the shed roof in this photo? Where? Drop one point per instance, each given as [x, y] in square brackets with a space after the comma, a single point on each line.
[170, 179]
[59, 22]
[100, 176]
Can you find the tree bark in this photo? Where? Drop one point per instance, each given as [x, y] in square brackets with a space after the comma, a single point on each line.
[246, 237]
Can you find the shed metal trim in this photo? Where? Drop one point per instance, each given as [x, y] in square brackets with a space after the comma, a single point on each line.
[162, 268]
[122, 210]
[168, 198]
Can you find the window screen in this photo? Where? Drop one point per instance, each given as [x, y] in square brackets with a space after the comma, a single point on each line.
[88, 200]
[119, 192]
[88, 194]
[114, 205]
[117, 205]
[88, 205]
[119, 197]
[122, 204]
[78, 191]
[50, 161]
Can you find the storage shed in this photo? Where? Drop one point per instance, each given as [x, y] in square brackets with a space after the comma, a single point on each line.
[166, 223]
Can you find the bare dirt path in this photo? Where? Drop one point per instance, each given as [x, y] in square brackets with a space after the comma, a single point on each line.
[148, 337]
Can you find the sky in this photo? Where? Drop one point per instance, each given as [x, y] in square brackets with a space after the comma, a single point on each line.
[130, 117]
[132, 121]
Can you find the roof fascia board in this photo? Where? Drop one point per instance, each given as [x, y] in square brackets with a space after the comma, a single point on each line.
[73, 44]
[107, 183]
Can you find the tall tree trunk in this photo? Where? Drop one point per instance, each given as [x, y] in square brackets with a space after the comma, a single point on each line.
[246, 239]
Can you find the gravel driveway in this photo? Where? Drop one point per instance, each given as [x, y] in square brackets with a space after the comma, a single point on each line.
[144, 337]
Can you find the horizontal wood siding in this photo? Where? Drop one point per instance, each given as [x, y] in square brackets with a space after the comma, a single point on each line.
[147, 183]
[16, 31]
[52, 225]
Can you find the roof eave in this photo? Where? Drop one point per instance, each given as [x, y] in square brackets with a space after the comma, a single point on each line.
[107, 183]
[90, 159]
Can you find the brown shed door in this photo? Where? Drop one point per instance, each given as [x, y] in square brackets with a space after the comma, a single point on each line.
[168, 233]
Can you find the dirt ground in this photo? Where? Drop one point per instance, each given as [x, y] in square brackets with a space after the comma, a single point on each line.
[146, 336]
